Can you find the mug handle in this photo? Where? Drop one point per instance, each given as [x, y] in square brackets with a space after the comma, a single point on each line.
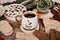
[17, 19]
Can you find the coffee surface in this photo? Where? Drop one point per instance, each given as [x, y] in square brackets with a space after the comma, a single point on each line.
[29, 15]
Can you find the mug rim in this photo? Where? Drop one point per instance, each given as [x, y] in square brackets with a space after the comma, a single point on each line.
[30, 12]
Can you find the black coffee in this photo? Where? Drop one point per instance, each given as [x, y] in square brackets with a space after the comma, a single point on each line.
[29, 15]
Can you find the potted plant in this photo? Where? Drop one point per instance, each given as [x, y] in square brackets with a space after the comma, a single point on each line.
[43, 5]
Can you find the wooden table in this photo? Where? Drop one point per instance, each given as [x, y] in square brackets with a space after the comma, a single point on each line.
[17, 29]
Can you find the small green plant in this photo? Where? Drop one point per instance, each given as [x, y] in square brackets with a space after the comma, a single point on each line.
[43, 4]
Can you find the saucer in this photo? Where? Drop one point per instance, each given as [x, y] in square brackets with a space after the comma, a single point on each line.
[29, 31]
[13, 10]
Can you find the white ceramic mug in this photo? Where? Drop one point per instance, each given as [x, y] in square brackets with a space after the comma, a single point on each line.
[29, 20]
